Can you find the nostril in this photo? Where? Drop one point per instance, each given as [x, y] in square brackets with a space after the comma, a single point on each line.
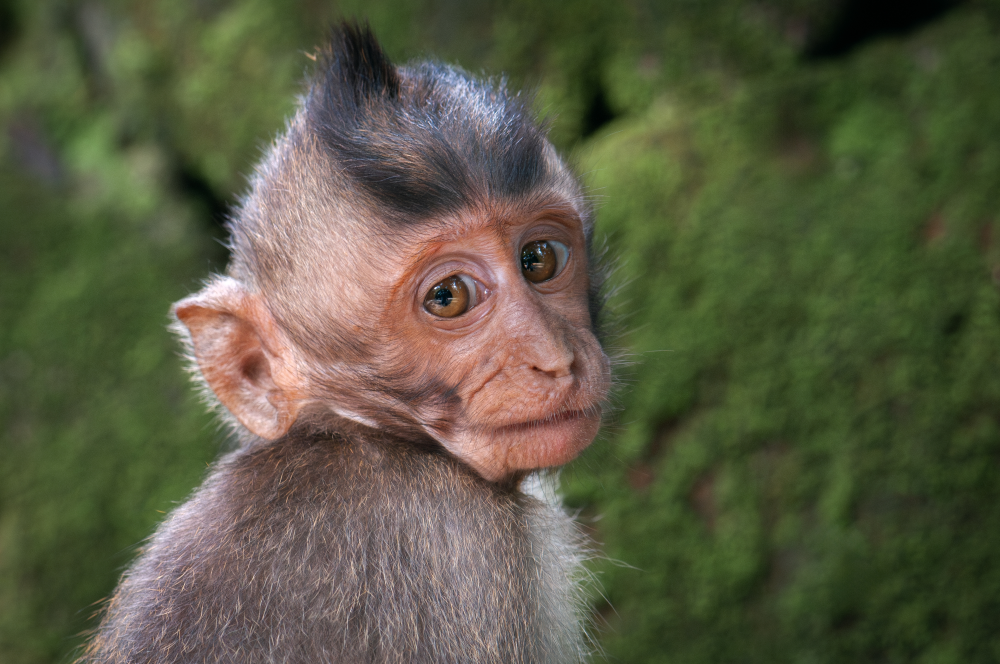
[548, 372]
[558, 369]
[556, 361]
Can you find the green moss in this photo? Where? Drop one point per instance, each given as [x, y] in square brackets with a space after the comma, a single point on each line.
[807, 474]
[804, 465]
[100, 432]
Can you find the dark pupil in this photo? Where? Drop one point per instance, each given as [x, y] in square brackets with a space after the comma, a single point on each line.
[530, 260]
[443, 297]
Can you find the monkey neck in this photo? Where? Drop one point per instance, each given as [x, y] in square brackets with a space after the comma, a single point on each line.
[409, 442]
[375, 550]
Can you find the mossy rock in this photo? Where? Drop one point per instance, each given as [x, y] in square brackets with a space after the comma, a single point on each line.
[804, 462]
[805, 467]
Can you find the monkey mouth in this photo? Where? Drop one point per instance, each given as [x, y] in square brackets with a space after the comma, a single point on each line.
[560, 417]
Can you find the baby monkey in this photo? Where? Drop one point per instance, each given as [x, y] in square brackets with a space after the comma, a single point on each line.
[406, 330]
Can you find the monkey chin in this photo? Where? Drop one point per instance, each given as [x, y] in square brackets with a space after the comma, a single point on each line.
[497, 453]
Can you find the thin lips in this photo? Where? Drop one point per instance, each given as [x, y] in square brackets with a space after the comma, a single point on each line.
[562, 416]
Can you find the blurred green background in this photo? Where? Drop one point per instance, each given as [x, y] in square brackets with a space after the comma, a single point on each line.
[803, 197]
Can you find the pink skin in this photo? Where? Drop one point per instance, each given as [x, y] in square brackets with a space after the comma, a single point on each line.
[530, 373]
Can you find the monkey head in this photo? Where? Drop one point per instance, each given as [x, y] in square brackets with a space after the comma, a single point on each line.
[414, 256]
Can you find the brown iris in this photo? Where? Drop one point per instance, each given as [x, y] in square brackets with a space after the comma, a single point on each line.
[538, 261]
[448, 298]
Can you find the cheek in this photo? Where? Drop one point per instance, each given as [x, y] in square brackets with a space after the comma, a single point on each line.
[424, 376]
[442, 351]
[451, 361]
[595, 366]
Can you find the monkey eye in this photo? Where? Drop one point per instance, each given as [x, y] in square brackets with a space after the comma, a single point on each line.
[451, 297]
[542, 259]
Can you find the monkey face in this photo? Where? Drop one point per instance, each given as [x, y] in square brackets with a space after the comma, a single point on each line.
[494, 312]
[475, 331]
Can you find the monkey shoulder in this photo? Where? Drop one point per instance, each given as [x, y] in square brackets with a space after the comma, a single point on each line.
[346, 535]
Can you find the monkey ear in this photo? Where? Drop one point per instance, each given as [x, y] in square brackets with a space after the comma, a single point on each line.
[242, 356]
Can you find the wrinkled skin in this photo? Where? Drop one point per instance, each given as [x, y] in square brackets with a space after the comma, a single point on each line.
[517, 380]
[529, 372]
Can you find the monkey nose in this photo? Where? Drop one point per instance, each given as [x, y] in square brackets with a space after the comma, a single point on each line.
[556, 364]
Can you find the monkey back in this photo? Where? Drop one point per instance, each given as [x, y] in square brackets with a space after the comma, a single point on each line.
[349, 547]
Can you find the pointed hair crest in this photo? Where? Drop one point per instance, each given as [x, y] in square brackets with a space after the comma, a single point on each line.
[422, 140]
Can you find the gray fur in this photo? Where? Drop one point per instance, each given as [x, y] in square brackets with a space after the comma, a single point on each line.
[350, 546]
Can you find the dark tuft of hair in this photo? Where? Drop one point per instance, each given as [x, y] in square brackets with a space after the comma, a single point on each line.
[357, 62]
[423, 140]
